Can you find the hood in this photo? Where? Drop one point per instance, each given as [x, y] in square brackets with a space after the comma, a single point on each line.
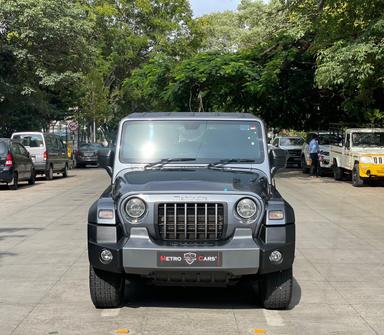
[291, 147]
[368, 151]
[191, 180]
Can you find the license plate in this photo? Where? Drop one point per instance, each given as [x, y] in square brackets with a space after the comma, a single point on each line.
[189, 259]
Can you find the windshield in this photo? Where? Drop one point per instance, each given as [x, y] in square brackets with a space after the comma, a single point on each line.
[3, 148]
[328, 139]
[206, 141]
[375, 139]
[291, 141]
[30, 140]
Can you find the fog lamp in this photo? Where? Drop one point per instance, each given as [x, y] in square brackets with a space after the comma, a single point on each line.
[106, 256]
[276, 257]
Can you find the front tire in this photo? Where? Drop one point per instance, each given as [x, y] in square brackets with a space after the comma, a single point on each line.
[276, 289]
[357, 181]
[32, 179]
[106, 288]
[49, 173]
[14, 183]
[338, 172]
[65, 171]
[304, 166]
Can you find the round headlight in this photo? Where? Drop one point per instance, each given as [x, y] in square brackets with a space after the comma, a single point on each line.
[135, 208]
[246, 208]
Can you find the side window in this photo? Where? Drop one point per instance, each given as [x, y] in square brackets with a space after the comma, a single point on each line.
[15, 149]
[276, 142]
[60, 144]
[51, 142]
[348, 141]
[23, 151]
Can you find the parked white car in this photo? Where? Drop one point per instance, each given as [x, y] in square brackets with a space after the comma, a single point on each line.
[292, 145]
[326, 138]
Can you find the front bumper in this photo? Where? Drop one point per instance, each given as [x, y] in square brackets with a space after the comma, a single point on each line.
[293, 159]
[241, 255]
[88, 160]
[40, 168]
[371, 170]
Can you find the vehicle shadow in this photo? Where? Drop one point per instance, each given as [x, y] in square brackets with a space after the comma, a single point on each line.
[241, 296]
[22, 186]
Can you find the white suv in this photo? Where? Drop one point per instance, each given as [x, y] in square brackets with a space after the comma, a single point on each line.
[326, 138]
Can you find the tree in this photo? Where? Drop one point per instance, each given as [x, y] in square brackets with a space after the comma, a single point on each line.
[43, 44]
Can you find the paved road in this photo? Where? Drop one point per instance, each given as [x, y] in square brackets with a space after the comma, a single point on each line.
[339, 268]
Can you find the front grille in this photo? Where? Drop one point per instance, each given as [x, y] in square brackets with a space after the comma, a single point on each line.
[191, 221]
[378, 160]
[294, 152]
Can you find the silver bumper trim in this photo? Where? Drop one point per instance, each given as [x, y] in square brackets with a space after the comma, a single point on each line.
[240, 255]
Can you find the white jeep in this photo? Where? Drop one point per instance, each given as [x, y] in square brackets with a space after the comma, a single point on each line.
[360, 154]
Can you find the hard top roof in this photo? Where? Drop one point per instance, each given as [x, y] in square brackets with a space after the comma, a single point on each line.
[189, 115]
[365, 130]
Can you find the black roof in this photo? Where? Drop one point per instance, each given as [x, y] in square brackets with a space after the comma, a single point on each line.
[170, 115]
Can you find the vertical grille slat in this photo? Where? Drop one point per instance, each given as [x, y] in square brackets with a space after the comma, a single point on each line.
[175, 222]
[206, 220]
[215, 221]
[191, 221]
[195, 221]
[378, 160]
[165, 220]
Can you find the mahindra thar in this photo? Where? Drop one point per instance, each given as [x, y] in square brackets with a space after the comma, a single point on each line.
[192, 202]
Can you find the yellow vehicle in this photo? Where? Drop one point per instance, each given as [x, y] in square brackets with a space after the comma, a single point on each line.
[360, 154]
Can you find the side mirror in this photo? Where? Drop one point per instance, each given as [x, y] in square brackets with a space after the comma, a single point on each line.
[105, 158]
[277, 159]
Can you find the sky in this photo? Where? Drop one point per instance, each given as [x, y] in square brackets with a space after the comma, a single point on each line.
[202, 7]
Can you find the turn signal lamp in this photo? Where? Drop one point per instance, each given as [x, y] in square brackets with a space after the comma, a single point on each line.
[276, 215]
[106, 214]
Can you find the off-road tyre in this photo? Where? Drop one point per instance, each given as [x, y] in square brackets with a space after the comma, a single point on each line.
[304, 165]
[357, 181]
[65, 171]
[338, 172]
[49, 173]
[106, 288]
[32, 179]
[276, 289]
[15, 182]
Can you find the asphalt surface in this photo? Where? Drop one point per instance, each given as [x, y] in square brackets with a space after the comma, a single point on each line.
[339, 268]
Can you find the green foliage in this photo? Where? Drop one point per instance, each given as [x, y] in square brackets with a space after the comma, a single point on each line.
[43, 53]
[296, 63]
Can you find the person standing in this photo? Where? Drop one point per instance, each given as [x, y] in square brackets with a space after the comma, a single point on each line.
[314, 150]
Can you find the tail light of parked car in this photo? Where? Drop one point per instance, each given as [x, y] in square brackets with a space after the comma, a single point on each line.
[9, 160]
[45, 155]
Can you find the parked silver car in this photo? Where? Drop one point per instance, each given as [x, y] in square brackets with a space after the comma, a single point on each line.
[48, 152]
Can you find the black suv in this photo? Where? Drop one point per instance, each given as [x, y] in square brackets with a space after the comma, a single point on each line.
[192, 202]
[15, 164]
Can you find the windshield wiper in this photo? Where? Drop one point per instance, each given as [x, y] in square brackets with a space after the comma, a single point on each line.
[164, 161]
[223, 162]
